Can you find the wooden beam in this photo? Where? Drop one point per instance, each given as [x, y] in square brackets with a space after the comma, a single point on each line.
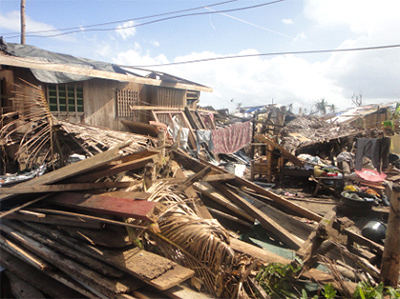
[309, 248]
[196, 165]
[65, 68]
[23, 254]
[48, 285]
[189, 181]
[116, 206]
[95, 280]
[70, 170]
[127, 166]
[292, 158]
[71, 253]
[312, 274]
[66, 187]
[210, 192]
[391, 254]
[208, 178]
[266, 222]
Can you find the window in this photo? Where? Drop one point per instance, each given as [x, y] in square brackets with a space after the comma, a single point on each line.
[126, 99]
[65, 98]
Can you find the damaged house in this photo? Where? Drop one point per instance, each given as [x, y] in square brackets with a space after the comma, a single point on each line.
[136, 217]
[92, 92]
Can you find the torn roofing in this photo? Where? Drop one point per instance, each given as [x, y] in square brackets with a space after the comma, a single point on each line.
[55, 77]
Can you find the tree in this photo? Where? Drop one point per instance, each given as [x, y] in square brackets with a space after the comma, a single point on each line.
[357, 100]
[320, 106]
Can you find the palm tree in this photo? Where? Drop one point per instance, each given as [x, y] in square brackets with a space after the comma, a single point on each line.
[320, 106]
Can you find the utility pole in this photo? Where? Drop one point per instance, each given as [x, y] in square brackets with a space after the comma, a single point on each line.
[22, 22]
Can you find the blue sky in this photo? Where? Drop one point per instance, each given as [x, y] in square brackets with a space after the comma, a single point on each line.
[290, 25]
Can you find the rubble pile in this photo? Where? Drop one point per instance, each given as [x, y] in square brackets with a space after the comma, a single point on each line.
[311, 129]
[135, 217]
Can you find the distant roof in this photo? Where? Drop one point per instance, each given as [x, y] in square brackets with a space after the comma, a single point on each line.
[356, 112]
[52, 67]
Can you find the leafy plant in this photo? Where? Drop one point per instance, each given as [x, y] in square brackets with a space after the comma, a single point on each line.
[329, 291]
[366, 291]
[391, 123]
[278, 280]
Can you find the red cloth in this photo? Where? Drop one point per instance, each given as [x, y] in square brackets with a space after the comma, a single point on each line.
[370, 175]
[231, 139]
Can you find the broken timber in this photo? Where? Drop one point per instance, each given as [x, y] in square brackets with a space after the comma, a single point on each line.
[124, 207]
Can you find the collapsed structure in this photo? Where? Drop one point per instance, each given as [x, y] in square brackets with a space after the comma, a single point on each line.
[117, 185]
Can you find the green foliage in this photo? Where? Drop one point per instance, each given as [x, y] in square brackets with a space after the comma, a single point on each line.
[329, 291]
[278, 279]
[391, 123]
[366, 291]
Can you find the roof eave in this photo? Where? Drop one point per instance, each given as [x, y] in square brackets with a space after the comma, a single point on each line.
[57, 67]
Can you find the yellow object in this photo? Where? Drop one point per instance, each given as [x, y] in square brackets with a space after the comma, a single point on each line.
[350, 188]
[318, 171]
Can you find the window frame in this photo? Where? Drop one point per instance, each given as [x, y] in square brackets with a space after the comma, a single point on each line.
[66, 86]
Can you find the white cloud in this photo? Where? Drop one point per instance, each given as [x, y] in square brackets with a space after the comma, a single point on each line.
[298, 79]
[134, 57]
[300, 36]
[287, 21]
[12, 21]
[126, 30]
[155, 43]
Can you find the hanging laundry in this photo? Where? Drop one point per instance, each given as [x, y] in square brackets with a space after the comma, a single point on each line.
[377, 149]
[231, 139]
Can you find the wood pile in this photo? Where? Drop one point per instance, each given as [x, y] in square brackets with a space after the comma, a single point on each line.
[128, 222]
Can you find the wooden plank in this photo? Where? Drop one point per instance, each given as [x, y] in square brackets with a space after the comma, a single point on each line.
[193, 122]
[88, 261]
[131, 165]
[195, 165]
[71, 170]
[309, 248]
[151, 268]
[200, 208]
[140, 128]
[139, 263]
[59, 287]
[58, 67]
[13, 210]
[269, 257]
[37, 278]
[183, 292]
[391, 255]
[189, 181]
[108, 287]
[124, 207]
[208, 178]
[88, 217]
[22, 289]
[23, 254]
[269, 224]
[57, 220]
[65, 187]
[288, 155]
[216, 196]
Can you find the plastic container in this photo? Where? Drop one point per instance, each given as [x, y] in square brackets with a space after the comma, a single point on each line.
[358, 199]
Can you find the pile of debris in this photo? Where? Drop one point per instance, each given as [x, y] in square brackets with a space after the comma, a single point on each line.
[132, 216]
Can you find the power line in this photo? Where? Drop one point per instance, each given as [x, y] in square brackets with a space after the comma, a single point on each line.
[121, 21]
[154, 21]
[269, 54]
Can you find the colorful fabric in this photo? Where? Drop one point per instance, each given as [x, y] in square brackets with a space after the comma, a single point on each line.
[370, 175]
[231, 139]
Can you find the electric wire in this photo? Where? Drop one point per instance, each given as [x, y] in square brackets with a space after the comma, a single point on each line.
[269, 54]
[150, 22]
[15, 34]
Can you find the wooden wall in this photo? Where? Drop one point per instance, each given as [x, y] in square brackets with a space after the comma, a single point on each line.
[100, 104]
